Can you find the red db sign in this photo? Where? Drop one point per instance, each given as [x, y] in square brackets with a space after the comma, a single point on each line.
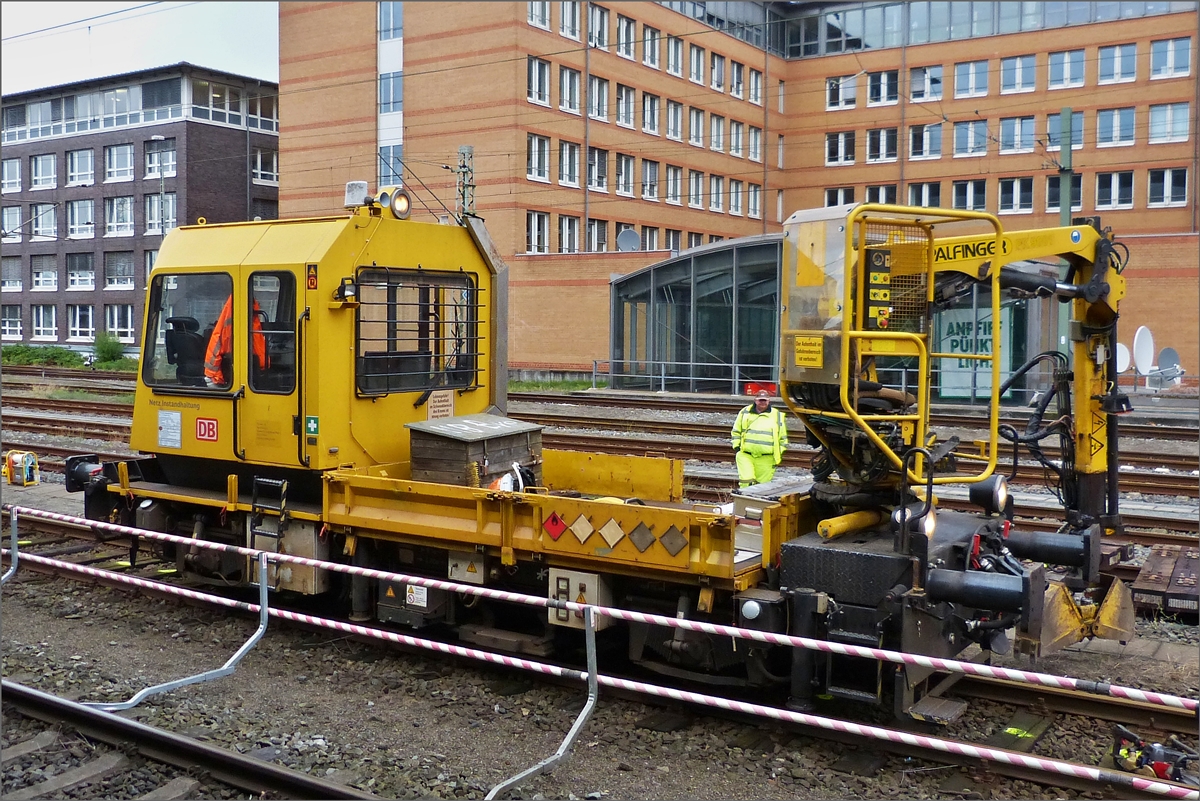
[206, 429]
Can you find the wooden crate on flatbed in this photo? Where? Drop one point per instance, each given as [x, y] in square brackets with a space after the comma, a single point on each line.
[444, 450]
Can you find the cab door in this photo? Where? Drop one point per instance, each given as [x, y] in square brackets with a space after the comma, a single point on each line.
[267, 415]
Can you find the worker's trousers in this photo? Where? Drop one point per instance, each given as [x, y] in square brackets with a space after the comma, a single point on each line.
[754, 469]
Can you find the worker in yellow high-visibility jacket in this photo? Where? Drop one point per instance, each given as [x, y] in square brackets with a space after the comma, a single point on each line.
[759, 439]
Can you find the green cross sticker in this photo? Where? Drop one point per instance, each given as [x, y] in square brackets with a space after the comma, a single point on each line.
[310, 425]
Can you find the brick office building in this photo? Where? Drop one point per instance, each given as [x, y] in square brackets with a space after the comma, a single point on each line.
[95, 173]
[693, 122]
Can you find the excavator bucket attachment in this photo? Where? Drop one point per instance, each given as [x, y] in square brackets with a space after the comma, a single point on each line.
[1117, 617]
[1062, 622]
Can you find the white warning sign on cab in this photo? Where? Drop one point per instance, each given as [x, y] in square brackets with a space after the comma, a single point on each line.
[465, 566]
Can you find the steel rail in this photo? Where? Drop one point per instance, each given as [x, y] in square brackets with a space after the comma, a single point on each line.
[246, 773]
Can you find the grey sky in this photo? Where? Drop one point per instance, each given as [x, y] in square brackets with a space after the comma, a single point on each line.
[237, 37]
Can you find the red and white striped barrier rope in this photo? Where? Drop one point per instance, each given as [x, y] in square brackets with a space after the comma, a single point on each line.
[1043, 764]
[896, 657]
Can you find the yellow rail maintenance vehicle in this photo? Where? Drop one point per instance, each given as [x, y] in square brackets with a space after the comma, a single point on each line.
[335, 388]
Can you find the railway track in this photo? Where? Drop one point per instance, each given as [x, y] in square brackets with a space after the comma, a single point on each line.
[1044, 700]
[133, 755]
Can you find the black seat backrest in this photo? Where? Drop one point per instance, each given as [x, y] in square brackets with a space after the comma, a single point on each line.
[185, 348]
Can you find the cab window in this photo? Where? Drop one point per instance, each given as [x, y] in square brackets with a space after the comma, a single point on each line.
[273, 332]
[416, 331]
[181, 323]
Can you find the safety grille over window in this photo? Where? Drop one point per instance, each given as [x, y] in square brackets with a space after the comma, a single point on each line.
[417, 331]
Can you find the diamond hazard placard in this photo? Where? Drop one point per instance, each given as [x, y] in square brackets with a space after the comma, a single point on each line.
[554, 526]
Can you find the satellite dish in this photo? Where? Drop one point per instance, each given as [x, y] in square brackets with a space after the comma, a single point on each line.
[628, 240]
[1122, 358]
[1168, 360]
[1143, 350]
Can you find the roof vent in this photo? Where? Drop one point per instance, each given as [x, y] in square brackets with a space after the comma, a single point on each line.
[356, 194]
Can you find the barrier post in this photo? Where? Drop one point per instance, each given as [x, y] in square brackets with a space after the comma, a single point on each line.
[13, 555]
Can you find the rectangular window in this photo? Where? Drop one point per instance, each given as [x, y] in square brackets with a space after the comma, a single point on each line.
[391, 20]
[624, 184]
[44, 319]
[695, 189]
[649, 237]
[696, 127]
[391, 92]
[925, 141]
[1054, 131]
[1066, 69]
[755, 144]
[1114, 126]
[674, 184]
[696, 64]
[12, 175]
[626, 98]
[674, 240]
[10, 322]
[1118, 63]
[118, 321]
[694, 239]
[81, 168]
[970, 138]
[650, 113]
[597, 169]
[118, 163]
[840, 92]
[80, 324]
[840, 148]
[756, 87]
[264, 166]
[81, 219]
[81, 274]
[716, 72]
[925, 194]
[598, 27]
[568, 89]
[1016, 74]
[883, 88]
[539, 14]
[839, 196]
[970, 194]
[597, 236]
[716, 131]
[754, 201]
[568, 234]
[391, 166]
[737, 79]
[1169, 123]
[674, 120]
[539, 81]
[925, 83]
[1016, 195]
[537, 158]
[884, 193]
[210, 101]
[12, 224]
[736, 136]
[881, 145]
[1114, 190]
[651, 44]
[675, 56]
[1016, 135]
[11, 274]
[44, 218]
[971, 79]
[43, 171]
[1168, 187]
[1053, 199]
[262, 112]
[151, 256]
[716, 193]
[537, 232]
[1170, 58]
[568, 164]
[649, 180]
[597, 98]
[160, 158]
[626, 36]
[735, 197]
[118, 270]
[568, 20]
[118, 216]
[45, 273]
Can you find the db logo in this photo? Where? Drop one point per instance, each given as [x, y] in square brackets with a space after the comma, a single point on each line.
[206, 429]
